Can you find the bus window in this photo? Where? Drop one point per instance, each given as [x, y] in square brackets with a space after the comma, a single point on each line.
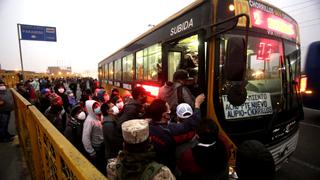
[139, 65]
[110, 77]
[154, 61]
[264, 69]
[127, 68]
[106, 71]
[117, 70]
[148, 63]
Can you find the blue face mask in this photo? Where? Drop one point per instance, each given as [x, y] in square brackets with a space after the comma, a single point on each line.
[97, 110]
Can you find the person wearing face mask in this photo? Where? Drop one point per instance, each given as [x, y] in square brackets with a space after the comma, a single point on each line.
[74, 127]
[60, 90]
[71, 98]
[6, 106]
[92, 136]
[164, 134]
[117, 101]
[108, 125]
[55, 113]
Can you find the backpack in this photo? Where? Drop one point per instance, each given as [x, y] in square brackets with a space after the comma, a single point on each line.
[179, 95]
[173, 114]
[150, 171]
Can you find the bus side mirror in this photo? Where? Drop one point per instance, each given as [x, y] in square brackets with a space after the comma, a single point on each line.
[235, 66]
[235, 71]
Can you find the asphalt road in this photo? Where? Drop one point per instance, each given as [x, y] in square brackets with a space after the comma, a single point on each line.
[304, 164]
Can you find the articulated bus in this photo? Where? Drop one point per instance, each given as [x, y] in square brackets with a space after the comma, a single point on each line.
[243, 54]
[310, 82]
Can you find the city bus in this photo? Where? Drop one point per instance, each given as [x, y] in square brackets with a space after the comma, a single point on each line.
[243, 54]
[310, 82]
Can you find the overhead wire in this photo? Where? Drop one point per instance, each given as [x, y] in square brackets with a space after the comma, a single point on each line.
[309, 25]
[302, 8]
[309, 20]
[296, 4]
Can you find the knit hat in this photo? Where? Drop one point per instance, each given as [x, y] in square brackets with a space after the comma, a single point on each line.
[135, 131]
[184, 110]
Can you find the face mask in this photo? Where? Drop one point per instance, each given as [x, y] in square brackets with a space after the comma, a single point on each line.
[81, 116]
[2, 88]
[61, 90]
[115, 110]
[120, 105]
[97, 111]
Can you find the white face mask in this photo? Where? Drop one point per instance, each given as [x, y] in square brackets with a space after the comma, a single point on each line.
[115, 110]
[97, 111]
[61, 90]
[81, 116]
[2, 88]
[120, 105]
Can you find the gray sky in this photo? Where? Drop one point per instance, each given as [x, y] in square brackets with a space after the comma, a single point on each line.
[89, 31]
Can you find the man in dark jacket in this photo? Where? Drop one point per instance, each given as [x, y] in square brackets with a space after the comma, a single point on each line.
[108, 126]
[166, 136]
[134, 109]
[6, 106]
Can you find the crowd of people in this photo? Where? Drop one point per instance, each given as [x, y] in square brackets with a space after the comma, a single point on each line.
[126, 137]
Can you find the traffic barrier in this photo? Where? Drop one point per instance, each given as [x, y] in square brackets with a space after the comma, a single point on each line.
[49, 155]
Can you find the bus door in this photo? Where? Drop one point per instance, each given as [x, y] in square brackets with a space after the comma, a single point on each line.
[183, 54]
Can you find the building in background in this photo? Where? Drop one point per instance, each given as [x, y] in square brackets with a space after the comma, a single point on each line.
[57, 70]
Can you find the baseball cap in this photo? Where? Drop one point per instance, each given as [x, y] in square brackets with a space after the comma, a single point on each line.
[184, 110]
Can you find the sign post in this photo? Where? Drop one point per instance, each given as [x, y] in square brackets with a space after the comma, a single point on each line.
[36, 33]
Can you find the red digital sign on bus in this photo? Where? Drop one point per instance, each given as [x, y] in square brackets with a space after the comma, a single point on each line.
[269, 21]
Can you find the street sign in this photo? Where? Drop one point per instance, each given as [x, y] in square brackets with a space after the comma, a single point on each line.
[38, 33]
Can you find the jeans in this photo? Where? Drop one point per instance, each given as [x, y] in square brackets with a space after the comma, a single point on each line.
[4, 123]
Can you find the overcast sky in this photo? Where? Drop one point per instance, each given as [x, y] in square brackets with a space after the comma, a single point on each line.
[89, 31]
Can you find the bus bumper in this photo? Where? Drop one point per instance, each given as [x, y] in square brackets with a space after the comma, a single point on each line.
[284, 149]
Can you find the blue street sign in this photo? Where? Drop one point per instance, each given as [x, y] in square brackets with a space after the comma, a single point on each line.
[38, 33]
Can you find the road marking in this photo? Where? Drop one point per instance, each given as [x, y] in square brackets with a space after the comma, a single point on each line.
[298, 161]
[308, 124]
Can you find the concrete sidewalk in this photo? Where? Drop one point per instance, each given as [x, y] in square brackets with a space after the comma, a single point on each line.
[12, 163]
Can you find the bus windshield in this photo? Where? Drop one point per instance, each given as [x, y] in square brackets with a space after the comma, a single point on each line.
[263, 76]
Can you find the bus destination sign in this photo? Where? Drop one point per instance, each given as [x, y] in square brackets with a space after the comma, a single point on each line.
[269, 18]
[257, 104]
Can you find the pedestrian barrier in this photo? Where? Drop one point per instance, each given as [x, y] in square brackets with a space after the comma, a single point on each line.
[48, 153]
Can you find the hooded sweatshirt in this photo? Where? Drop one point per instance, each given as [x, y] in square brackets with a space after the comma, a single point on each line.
[92, 130]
